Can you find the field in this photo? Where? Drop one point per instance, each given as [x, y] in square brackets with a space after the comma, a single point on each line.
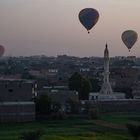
[108, 127]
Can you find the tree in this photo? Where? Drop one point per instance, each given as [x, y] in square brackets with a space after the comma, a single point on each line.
[57, 111]
[56, 106]
[75, 81]
[84, 92]
[74, 105]
[43, 105]
[95, 85]
[134, 131]
[80, 84]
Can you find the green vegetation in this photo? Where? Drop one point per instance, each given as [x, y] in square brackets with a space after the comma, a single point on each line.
[134, 131]
[31, 135]
[81, 84]
[43, 105]
[122, 118]
[75, 129]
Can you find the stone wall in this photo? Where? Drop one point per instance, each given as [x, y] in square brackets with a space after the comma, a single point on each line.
[118, 106]
[17, 111]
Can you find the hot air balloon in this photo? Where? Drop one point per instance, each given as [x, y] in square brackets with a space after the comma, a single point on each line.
[1, 50]
[88, 18]
[129, 38]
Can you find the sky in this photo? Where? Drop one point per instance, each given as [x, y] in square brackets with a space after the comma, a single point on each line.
[52, 27]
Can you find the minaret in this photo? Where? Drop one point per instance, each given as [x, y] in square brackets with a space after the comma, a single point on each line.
[106, 87]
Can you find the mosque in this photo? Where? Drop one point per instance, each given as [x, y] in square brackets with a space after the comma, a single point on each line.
[106, 92]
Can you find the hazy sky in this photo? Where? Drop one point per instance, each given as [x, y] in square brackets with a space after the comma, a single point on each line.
[51, 27]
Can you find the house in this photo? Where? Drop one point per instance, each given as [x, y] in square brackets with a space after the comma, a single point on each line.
[16, 100]
[136, 90]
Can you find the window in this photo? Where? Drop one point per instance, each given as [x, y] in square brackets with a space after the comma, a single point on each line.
[10, 90]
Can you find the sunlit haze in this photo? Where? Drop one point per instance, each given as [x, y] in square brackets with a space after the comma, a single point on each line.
[52, 27]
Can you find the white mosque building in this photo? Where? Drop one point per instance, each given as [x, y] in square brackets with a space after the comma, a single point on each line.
[106, 92]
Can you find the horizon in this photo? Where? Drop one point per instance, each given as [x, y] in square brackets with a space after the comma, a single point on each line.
[42, 55]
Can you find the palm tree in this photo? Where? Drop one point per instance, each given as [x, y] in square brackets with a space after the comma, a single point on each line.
[134, 131]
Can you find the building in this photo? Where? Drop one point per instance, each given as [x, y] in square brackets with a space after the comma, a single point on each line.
[106, 87]
[136, 90]
[16, 100]
[106, 92]
[61, 95]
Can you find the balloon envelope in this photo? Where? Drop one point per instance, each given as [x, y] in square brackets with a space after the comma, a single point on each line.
[129, 38]
[1, 50]
[88, 17]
